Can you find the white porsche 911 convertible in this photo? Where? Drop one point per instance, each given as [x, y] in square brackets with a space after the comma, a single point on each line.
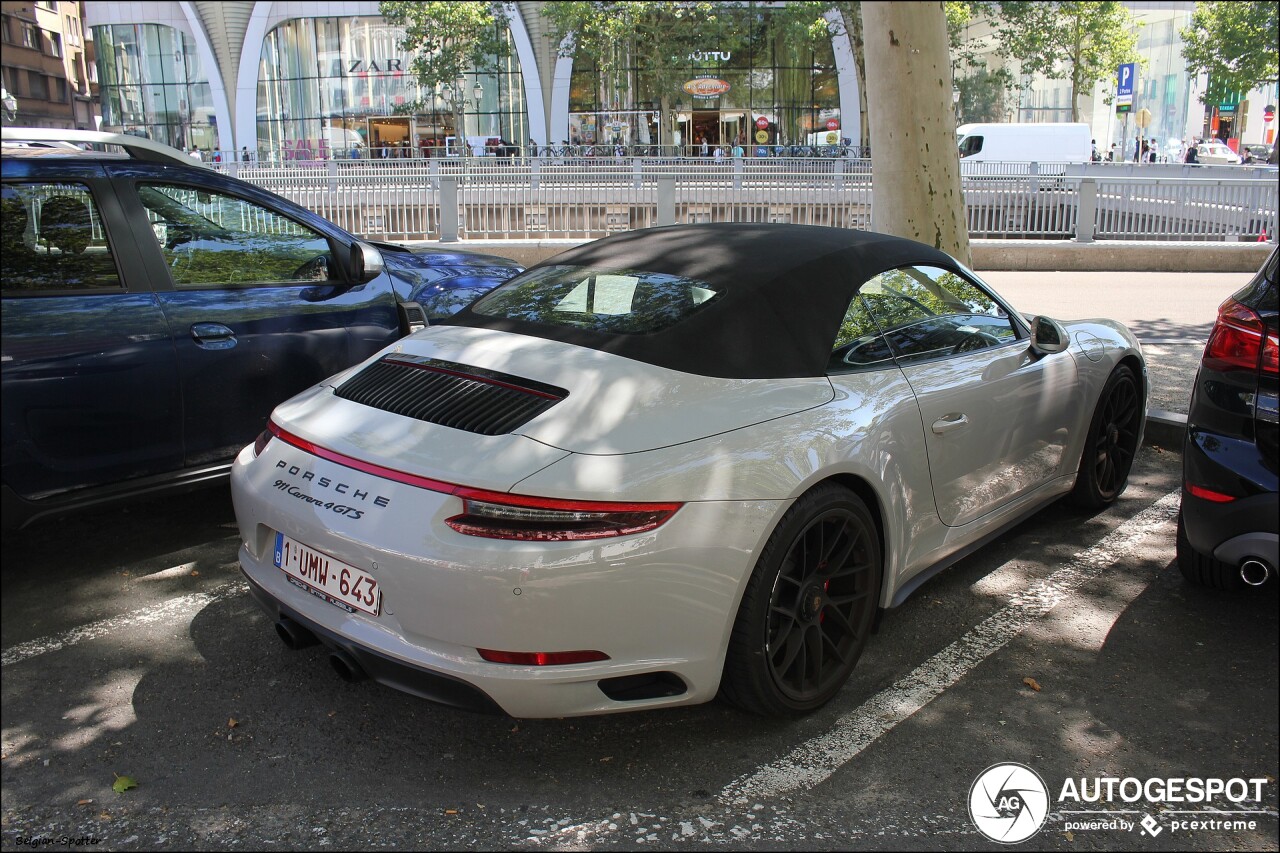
[673, 464]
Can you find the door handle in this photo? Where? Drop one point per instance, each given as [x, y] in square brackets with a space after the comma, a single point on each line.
[950, 422]
[213, 336]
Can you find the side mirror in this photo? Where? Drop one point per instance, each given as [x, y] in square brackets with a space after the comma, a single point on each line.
[1048, 336]
[366, 262]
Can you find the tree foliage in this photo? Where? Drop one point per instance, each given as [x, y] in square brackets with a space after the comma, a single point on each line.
[448, 40]
[650, 37]
[1235, 43]
[982, 90]
[1083, 42]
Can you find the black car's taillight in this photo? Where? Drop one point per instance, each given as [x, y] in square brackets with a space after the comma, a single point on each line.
[1241, 341]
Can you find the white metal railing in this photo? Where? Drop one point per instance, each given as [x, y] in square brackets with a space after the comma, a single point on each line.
[563, 197]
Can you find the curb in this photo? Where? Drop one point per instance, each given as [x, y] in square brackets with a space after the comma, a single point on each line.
[1165, 429]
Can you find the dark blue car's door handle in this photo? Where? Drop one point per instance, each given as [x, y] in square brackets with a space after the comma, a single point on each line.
[213, 336]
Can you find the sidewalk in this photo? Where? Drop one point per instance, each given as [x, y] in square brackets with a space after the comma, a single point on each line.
[1028, 255]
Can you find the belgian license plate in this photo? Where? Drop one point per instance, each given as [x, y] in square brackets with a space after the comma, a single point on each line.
[341, 584]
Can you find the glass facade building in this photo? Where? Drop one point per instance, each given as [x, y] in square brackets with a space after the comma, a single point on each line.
[754, 88]
[153, 85]
[341, 87]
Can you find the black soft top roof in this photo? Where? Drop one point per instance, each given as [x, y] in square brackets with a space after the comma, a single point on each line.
[784, 290]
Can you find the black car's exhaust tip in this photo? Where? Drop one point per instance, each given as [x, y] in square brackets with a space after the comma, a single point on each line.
[346, 667]
[293, 635]
[1254, 572]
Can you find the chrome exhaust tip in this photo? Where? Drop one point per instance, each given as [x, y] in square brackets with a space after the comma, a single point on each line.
[1254, 572]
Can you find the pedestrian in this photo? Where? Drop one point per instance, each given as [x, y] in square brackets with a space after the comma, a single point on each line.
[1111, 155]
[1095, 156]
[738, 151]
[244, 154]
[195, 154]
[1193, 156]
[719, 155]
[703, 145]
[217, 155]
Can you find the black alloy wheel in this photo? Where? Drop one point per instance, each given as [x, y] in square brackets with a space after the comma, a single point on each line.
[1112, 441]
[808, 608]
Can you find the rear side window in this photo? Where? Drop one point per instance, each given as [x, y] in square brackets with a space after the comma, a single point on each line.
[54, 240]
[628, 302]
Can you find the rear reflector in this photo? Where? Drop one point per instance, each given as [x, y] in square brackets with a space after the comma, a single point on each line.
[541, 658]
[1209, 494]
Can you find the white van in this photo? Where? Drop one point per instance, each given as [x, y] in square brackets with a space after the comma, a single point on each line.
[1039, 142]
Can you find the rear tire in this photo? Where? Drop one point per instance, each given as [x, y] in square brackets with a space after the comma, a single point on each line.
[808, 607]
[1204, 570]
[1111, 443]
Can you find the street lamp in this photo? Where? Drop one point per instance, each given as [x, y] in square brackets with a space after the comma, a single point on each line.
[10, 104]
[955, 103]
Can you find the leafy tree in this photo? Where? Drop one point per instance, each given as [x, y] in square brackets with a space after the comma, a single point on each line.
[1083, 42]
[982, 91]
[1235, 43]
[638, 46]
[913, 145]
[450, 39]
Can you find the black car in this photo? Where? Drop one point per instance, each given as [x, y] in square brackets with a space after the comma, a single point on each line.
[1228, 529]
[155, 311]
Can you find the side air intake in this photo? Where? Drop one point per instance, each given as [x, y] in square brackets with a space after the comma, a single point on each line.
[454, 395]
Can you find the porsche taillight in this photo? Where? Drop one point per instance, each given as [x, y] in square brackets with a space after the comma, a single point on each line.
[1241, 341]
[260, 443]
[497, 515]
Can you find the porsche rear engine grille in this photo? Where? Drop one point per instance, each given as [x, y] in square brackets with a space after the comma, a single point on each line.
[453, 395]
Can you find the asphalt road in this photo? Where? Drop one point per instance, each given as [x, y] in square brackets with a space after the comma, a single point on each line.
[1170, 313]
[130, 648]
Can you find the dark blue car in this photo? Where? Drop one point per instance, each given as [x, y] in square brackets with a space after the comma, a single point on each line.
[154, 312]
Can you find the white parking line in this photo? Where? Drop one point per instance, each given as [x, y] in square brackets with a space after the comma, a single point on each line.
[177, 608]
[814, 761]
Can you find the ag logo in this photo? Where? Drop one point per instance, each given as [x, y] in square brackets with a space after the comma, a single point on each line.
[1008, 803]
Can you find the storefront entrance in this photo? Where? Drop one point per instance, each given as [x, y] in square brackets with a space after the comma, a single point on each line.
[723, 128]
[391, 133]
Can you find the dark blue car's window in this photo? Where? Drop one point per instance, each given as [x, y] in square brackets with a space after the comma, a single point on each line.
[213, 240]
[54, 240]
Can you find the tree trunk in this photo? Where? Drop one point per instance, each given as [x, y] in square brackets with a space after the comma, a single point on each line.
[854, 28]
[913, 142]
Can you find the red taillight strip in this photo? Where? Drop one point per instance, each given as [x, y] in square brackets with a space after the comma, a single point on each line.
[431, 368]
[367, 467]
[542, 658]
[465, 491]
[1209, 494]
